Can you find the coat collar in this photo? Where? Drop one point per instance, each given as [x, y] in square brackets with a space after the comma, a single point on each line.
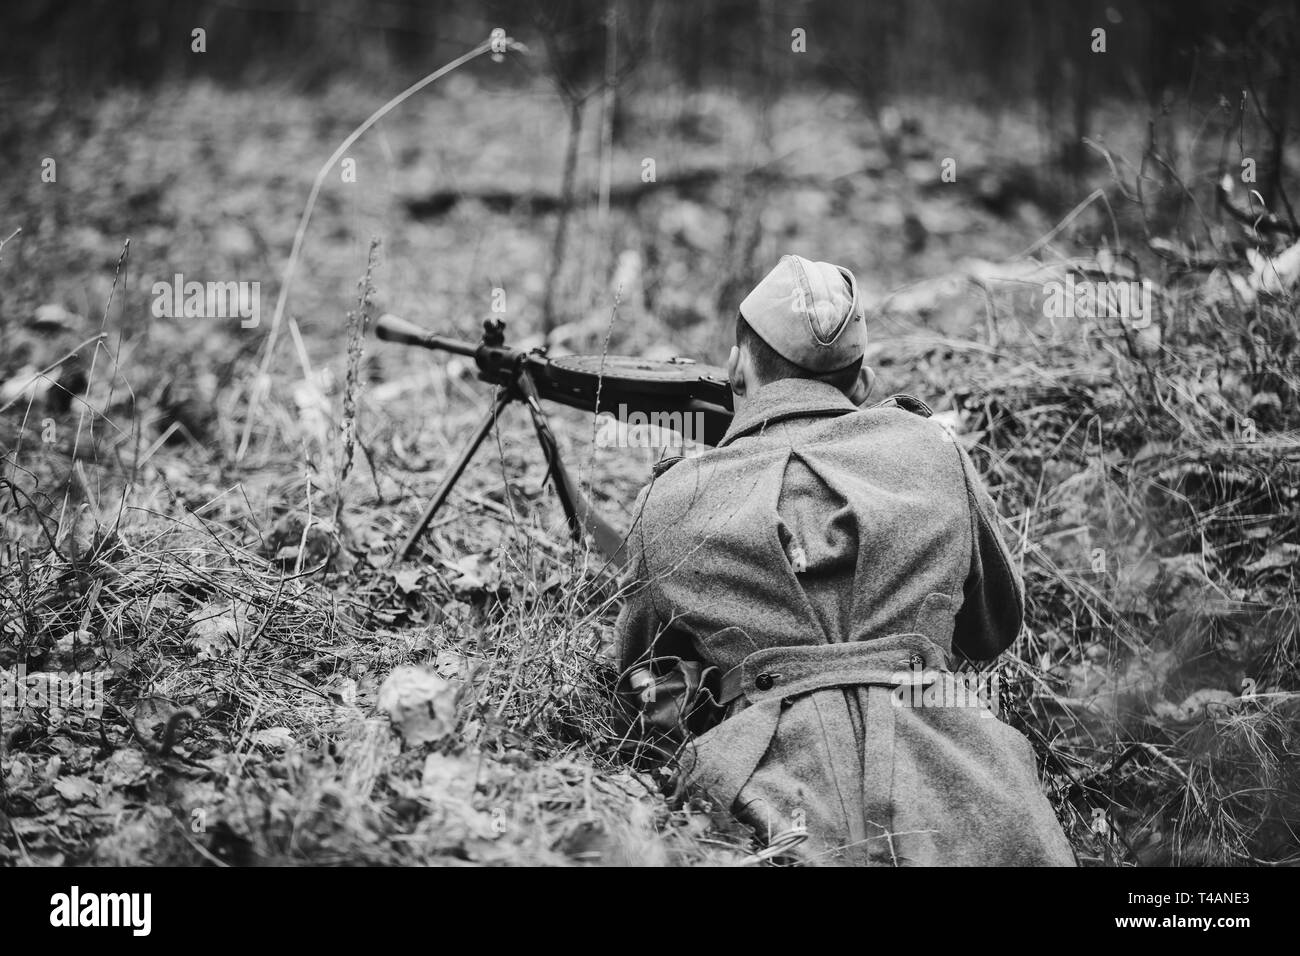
[783, 399]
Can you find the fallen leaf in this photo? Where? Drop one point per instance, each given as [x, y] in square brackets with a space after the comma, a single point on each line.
[125, 768]
[446, 777]
[214, 632]
[1194, 704]
[297, 536]
[76, 789]
[420, 704]
[73, 639]
[1274, 274]
[475, 572]
[1282, 556]
[273, 738]
[408, 580]
[451, 663]
[55, 317]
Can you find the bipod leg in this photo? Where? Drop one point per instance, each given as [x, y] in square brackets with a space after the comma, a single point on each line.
[502, 399]
[546, 438]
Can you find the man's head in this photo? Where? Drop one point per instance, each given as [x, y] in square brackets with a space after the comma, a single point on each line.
[804, 321]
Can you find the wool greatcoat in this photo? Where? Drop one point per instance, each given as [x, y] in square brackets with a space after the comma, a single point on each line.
[828, 561]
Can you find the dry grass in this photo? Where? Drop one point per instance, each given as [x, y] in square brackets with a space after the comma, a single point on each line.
[1158, 531]
[1129, 678]
[246, 615]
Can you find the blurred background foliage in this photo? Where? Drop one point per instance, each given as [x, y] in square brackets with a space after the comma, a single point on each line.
[987, 52]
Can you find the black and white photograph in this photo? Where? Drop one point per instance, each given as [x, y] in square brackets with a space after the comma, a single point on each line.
[646, 434]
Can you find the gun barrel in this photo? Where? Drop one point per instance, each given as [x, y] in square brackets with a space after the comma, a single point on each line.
[393, 328]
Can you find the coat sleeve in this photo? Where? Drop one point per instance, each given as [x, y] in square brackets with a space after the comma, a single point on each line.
[637, 624]
[642, 630]
[993, 606]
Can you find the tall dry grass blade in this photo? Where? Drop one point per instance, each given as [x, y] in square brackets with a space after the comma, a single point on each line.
[256, 395]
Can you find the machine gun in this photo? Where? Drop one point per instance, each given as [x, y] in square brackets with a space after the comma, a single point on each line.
[660, 390]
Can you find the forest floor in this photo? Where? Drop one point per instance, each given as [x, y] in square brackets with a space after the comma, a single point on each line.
[194, 534]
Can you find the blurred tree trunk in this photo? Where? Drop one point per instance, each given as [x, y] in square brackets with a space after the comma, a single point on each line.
[1282, 28]
[744, 228]
[575, 38]
[411, 39]
[607, 111]
[567, 189]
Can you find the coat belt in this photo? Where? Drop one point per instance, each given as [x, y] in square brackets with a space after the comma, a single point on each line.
[781, 672]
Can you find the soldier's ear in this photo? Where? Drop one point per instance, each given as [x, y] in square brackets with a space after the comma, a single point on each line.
[736, 371]
[863, 386]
